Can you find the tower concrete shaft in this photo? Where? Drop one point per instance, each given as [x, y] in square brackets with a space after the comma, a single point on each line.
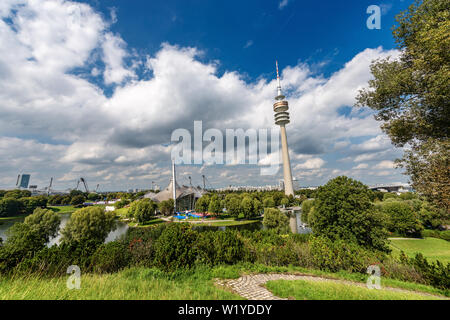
[288, 184]
[281, 107]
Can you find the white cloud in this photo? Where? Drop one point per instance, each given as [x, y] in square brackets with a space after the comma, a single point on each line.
[314, 163]
[119, 139]
[361, 166]
[114, 53]
[385, 164]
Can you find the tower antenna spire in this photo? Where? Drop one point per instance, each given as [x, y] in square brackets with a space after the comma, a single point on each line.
[279, 93]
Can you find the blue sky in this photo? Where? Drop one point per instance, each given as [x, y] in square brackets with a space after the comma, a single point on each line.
[247, 35]
[98, 86]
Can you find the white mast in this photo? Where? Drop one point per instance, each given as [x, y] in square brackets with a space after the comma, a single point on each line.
[174, 188]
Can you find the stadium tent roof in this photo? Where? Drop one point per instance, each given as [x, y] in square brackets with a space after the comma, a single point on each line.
[181, 191]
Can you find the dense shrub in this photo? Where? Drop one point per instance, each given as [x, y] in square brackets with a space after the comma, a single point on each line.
[444, 235]
[436, 273]
[175, 248]
[343, 210]
[110, 257]
[389, 195]
[341, 255]
[276, 220]
[214, 248]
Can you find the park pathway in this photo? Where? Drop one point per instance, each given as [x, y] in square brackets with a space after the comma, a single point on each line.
[252, 287]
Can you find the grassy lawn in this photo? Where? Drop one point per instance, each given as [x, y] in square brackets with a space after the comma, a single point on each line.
[122, 212]
[63, 209]
[321, 290]
[147, 224]
[431, 248]
[145, 283]
[136, 284]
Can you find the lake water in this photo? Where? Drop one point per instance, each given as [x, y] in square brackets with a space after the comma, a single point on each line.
[122, 228]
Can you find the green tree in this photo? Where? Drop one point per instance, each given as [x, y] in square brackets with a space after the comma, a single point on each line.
[430, 216]
[402, 219]
[307, 205]
[166, 207]
[257, 207]
[29, 204]
[234, 207]
[411, 96]
[77, 200]
[11, 207]
[284, 202]
[214, 205]
[17, 194]
[247, 207]
[145, 210]
[268, 202]
[343, 210]
[45, 222]
[276, 220]
[28, 237]
[89, 225]
[94, 196]
[202, 204]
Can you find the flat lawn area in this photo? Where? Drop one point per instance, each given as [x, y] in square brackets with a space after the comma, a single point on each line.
[147, 224]
[136, 284]
[321, 290]
[63, 209]
[431, 248]
[122, 212]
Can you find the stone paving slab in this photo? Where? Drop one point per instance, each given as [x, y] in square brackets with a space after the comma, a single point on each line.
[251, 286]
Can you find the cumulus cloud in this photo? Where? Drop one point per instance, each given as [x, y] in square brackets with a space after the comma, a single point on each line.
[51, 51]
[314, 163]
[385, 164]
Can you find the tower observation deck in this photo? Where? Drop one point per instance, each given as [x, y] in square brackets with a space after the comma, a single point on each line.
[281, 107]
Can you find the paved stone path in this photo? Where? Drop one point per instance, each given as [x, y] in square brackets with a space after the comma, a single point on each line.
[251, 286]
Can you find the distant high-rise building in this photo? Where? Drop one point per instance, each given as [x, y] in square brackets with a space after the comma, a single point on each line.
[24, 181]
[281, 107]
